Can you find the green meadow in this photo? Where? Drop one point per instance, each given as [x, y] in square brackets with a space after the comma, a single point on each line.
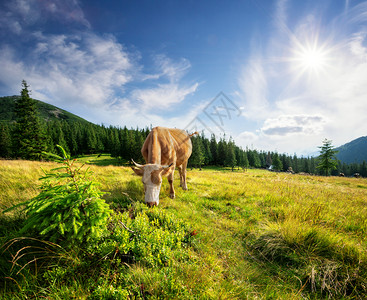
[232, 235]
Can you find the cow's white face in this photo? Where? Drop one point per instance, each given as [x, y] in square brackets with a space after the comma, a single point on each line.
[152, 180]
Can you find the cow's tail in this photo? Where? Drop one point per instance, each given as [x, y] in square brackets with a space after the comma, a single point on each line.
[190, 135]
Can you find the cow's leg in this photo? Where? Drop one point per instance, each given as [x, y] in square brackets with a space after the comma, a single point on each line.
[181, 178]
[170, 181]
[183, 175]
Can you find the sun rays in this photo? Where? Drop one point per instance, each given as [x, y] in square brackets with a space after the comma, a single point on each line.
[310, 58]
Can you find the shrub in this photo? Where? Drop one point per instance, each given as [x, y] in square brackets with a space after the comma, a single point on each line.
[69, 207]
[150, 236]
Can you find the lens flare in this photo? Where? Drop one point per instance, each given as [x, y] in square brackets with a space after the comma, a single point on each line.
[312, 59]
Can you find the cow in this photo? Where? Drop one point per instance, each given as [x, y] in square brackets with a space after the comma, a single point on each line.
[163, 150]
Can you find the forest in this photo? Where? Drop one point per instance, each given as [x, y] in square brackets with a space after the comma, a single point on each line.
[123, 143]
[28, 136]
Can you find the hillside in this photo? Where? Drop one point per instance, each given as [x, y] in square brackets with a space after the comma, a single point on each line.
[354, 151]
[47, 111]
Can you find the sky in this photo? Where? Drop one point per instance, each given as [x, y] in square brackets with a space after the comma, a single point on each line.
[276, 75]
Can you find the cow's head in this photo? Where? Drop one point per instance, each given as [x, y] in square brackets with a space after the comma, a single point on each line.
[152, 180]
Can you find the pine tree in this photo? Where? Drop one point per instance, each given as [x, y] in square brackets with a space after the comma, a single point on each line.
[5, 141]
[262, 156]
[245, 164]
[90, 140]
[124, 142]
[206, 150]
[213, 150]
[253, 158]
[132, 148]
[73, 137]
[306, 165]
[327, 159]
[58, 136]
[222, 152]
[114, 142]
[277, 163]
[197, 155]
[295, 163]
[363, 169]
[29, 138]
[239, 156]
[230, 159]
[139, 141]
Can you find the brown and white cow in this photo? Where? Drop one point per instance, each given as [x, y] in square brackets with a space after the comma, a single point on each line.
[163, 150]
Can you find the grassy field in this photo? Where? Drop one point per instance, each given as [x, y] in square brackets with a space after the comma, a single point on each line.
[245, 235]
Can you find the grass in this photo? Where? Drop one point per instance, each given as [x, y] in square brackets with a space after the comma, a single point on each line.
[253, 235]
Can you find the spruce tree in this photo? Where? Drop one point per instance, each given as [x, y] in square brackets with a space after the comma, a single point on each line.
[206, 149]
[230, 159]
[222, 152]
[213, 150]
[327, 159]
[295, 163]
[29, 138]
[114, 142]
[58, 136]
[277, 163]
[363, 169]
[90, 140]
[124, 144]
[5, 141]
[245, 163]
[197, 155]
[253, 158]
[139, 141]
[72, 137]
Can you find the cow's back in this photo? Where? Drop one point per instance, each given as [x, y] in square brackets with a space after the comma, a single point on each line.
[167, 145]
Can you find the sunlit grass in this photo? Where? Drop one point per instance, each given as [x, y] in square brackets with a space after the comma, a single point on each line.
[257, 234]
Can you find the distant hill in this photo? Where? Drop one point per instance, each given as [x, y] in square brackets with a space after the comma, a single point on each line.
[47, 111]
[354, 151]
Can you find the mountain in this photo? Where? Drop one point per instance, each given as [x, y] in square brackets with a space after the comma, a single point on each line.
[47, 111]
[354, 151]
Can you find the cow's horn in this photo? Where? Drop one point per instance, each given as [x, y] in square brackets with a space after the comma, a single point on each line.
[136, 164]
[167, 166]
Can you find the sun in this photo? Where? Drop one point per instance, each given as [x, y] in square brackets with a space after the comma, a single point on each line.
[313, 59]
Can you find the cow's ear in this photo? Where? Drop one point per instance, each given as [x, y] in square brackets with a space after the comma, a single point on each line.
[165, 170]
[138, 171]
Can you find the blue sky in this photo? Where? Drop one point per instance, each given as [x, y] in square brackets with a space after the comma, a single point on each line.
[276, 75]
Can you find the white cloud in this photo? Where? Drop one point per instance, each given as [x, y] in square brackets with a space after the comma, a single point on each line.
[286, 125]
[11, 70]
[19, 16]
[247, 138]
[68, 69]
[68, 10]
[170, 69]
[163, 96]
[253, 89]
[358, 14]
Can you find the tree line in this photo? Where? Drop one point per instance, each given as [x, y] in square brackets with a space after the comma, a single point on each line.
[29, 137]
